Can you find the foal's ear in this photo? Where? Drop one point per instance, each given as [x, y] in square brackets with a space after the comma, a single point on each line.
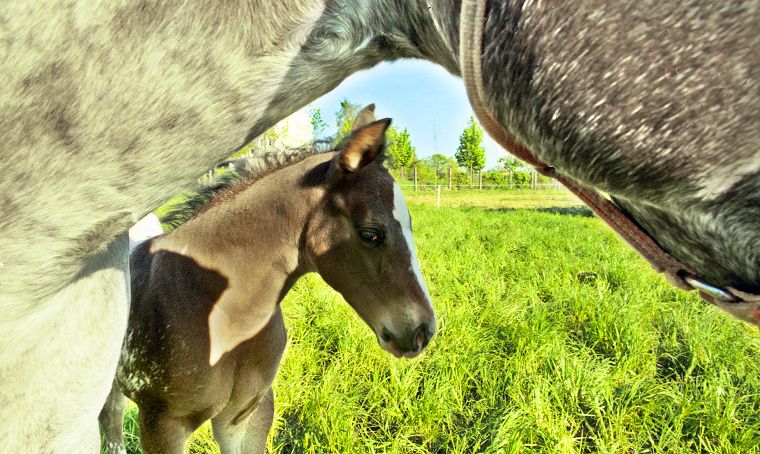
[363, 146]
[364, 117]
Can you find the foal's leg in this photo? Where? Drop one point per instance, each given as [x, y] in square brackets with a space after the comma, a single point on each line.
[229, 436]
[161, 433]
[259, 424]
[110, 418]
[248, 435]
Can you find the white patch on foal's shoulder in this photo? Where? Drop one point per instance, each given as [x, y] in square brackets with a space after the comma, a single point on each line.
[401, 214]
[145, 229]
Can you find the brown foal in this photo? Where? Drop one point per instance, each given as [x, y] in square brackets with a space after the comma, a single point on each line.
[206, 333]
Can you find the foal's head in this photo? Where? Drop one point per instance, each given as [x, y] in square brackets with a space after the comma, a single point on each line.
[361, 242]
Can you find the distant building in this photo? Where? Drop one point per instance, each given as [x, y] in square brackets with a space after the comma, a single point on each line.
[294, 131]
[289, 135]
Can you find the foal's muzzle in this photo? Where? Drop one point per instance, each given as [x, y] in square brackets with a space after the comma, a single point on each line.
[410, 345]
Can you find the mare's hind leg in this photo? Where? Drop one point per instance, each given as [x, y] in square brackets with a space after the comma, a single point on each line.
[161, 433]
[110, 419]
[248, 435]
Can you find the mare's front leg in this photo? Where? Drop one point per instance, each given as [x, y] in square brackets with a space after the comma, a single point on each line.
[111, 417]
[248, 435]
[58, 359]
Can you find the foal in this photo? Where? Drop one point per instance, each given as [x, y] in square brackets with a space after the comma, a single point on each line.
[206, 333]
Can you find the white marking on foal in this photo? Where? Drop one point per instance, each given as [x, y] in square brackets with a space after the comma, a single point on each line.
[401, 213]
[146, 228]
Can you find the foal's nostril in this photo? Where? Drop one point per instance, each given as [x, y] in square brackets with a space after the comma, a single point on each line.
[386, 335]
[420, 337]
[411, 343]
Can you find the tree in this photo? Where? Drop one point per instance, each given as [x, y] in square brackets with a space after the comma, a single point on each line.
[440, 162]
[344, 118]
[521, 179]
[400, 150]
[318, 125]
[470, 153]
[510, 163]
[425, 175]
[495, 178]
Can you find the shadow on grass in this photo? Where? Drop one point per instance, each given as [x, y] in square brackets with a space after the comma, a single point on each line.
[568, 211]
[293, 434]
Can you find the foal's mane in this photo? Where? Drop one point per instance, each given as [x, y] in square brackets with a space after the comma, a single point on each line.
[226, 185]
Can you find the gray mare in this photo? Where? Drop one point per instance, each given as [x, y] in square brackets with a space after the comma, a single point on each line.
[107, 108]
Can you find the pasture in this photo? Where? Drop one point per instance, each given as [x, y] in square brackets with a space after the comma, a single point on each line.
[553, 337]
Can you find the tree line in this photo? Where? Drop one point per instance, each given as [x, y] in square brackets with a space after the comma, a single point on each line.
[465, 168]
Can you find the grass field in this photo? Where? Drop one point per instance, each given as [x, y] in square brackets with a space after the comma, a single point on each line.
[489, 199]
[554, 337]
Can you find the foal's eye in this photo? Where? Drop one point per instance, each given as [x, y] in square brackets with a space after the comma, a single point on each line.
[371, 236]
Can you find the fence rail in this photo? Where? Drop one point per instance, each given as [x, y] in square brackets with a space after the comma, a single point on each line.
[485, 187]
[473, 180]
[443, 182]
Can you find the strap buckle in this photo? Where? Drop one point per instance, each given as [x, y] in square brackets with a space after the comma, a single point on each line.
[716, 292]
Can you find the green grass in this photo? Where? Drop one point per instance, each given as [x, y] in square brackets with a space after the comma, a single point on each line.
[553, 337]
[516, 198]
[163, 209]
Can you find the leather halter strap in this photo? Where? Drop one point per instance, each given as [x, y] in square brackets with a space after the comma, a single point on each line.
[472, 20]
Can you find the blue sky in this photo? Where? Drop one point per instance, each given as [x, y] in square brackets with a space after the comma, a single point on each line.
[417, 95]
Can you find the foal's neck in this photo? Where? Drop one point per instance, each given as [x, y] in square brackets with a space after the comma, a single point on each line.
[254, 237]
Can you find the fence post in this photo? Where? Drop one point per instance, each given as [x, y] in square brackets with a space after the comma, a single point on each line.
[449, 178]
[439, 196]
[415, 178]
[480, 180]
